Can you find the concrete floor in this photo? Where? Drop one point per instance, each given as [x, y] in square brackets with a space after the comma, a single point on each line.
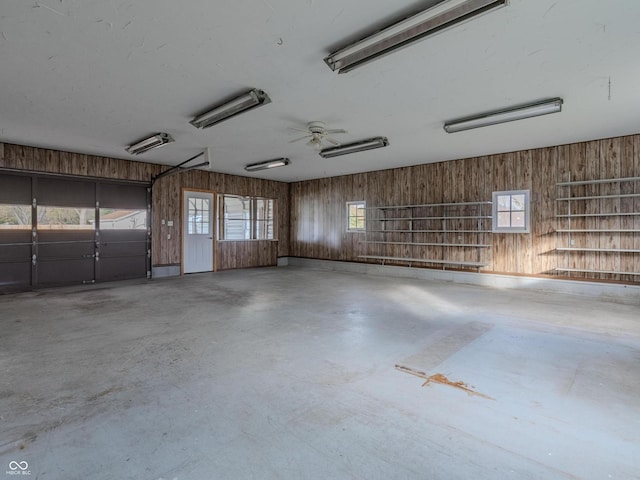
[290, 373]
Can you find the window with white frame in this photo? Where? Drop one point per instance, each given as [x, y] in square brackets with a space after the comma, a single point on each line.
[246, 218]
[356, 216]
[511, 211]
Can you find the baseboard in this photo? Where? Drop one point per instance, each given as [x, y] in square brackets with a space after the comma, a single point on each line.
[628, 294]
[165, 271]
[283, 261]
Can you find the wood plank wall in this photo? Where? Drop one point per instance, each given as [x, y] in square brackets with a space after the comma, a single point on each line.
[318, 214]
[166, 198]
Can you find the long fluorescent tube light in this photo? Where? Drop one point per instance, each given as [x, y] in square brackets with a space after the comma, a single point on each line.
[544, 107]
[155, 141]
[247, 101]
[361, 146]
[440, 17]
[278, 162]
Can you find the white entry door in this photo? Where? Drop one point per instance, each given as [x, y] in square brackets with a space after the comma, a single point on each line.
[198, 232]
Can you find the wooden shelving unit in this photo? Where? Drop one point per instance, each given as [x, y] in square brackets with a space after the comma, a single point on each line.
[599, 227]
[437, 234]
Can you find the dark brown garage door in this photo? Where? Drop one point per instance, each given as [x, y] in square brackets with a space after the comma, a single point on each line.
[61, 231]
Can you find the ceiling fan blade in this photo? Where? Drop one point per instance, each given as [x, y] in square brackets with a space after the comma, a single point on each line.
[332, 141]
[298, 139]
[299, 129]
[336, 130]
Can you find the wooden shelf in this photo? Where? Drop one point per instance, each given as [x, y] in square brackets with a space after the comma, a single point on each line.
[452, 217]
[429, 205]
[600, 197]
[608, 272]
[606, 257]
[470, 217]
[429, 231]
[594, 230]
[603, 250]
[595, 182]
[425, 260]
[475, 245]
[584, 215]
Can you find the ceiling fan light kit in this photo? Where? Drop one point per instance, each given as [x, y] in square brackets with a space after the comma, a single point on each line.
[278, 162]
[243, 103]
[520, 112]
[317, 132]
[154, 141]
[360, 146]
[442, 16]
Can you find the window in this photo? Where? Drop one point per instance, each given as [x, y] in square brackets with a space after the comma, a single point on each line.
[356, 216]
[64, 218]
[511, 211]
[246, 218]
[15, 217]
[198, 216]
[121, 219]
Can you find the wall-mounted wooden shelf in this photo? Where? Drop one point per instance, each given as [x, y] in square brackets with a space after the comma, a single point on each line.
[598, 227]
[444, 234]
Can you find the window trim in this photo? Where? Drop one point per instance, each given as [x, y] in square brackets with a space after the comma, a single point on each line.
[527, 212]
[364, 206]
[253, 221]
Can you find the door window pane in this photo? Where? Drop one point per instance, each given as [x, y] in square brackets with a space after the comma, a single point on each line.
[198, 216]
[15, 217]
[65, 218]
[119, 219]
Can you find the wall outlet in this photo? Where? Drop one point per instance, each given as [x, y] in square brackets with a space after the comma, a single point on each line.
[168, 236]
[169, 223]
[162, 221]
[573, 242]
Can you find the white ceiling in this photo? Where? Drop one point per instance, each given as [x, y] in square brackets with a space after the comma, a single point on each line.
[94, 76]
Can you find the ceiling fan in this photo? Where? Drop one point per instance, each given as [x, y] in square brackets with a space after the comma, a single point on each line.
[317, 133]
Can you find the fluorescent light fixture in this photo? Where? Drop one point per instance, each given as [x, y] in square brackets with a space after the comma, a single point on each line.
[361, 146]
[440, 17]
[247, 101]
[278, 162]
[544, 107]
[155, 141]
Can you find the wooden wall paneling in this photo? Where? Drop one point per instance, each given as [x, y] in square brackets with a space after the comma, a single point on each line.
[243, 254]
[635, 267]
[1, 154]
[157, 230]
[18, 156]
[590, 260]
[543, 222]
[295, 219]
[563, 174]
[160, 205]
[49, 160]
[359, 190]
[524, 176]
[175, 211]
[483, 193]
[74, 163]
[627, 169]
[610, 168]
[405, 196]
[456, 191]
[577, 166]
[502, 244]
[282, 211]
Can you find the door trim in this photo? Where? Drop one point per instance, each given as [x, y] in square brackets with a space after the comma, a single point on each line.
[214, 227]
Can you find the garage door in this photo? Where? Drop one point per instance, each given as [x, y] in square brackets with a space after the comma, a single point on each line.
[62, 231]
